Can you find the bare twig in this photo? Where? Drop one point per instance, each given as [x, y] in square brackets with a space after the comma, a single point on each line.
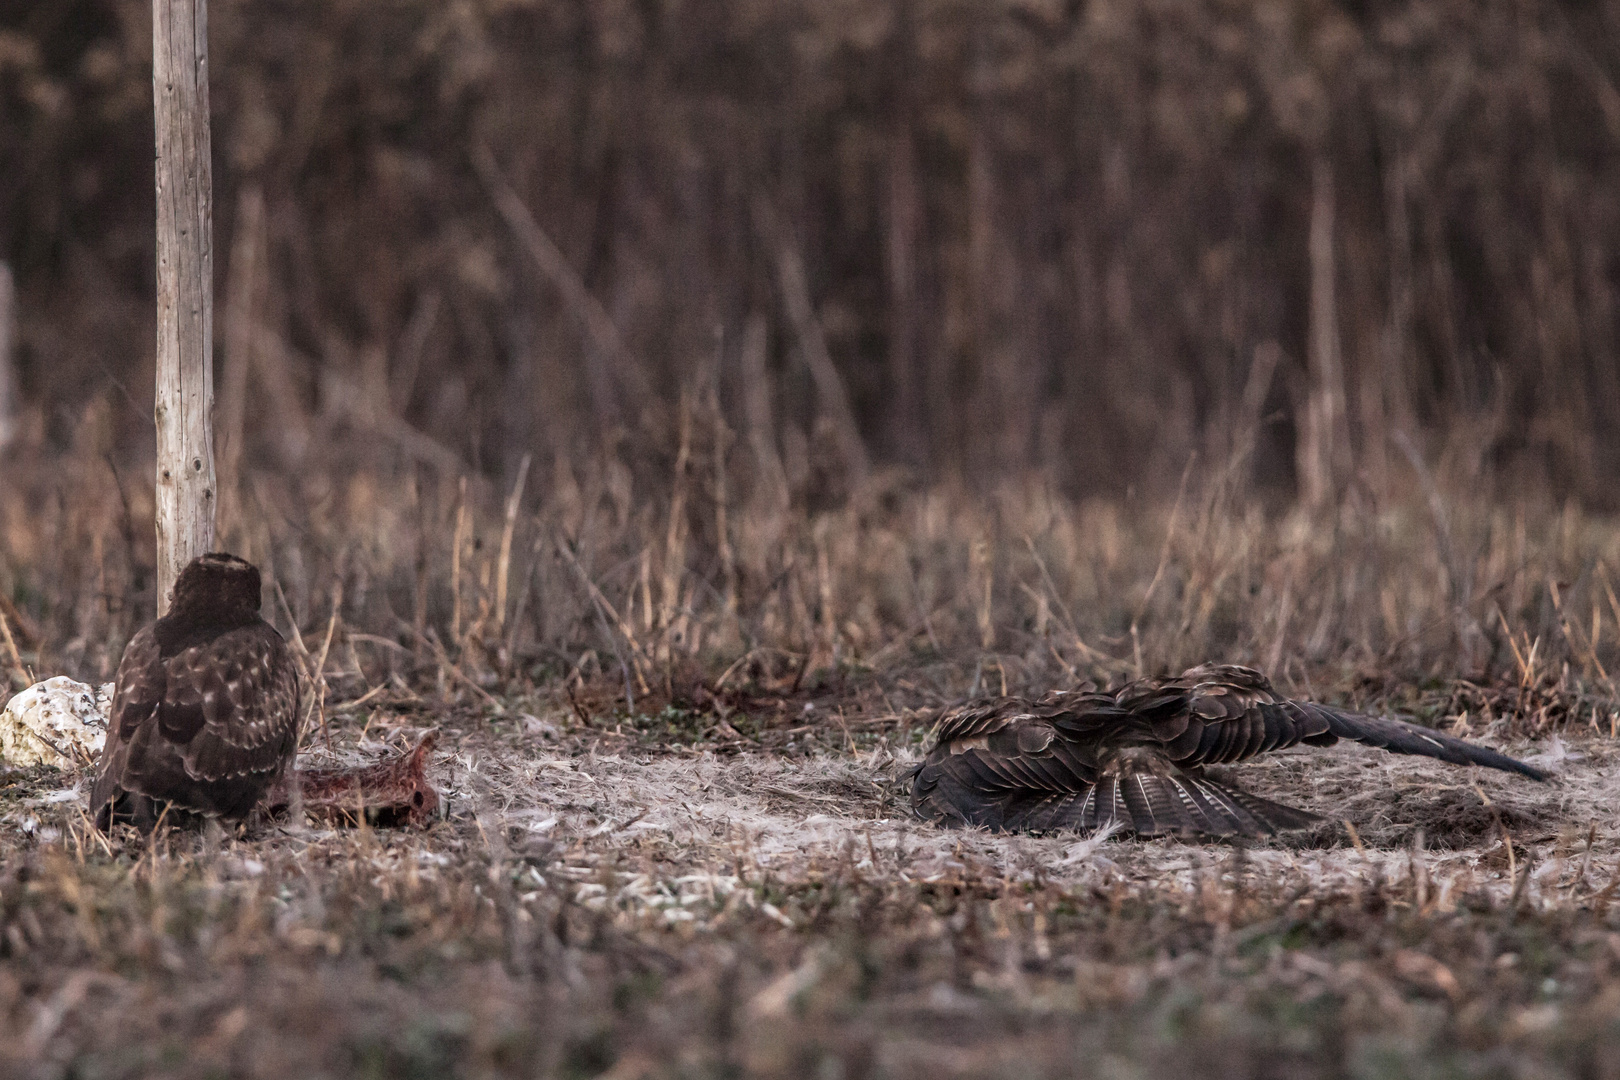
[452, 669]
[607, 614]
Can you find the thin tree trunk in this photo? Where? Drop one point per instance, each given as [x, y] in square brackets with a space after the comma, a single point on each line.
[904, 226]
[185, 258]
[8, 332]
[902, 266]
[770, 481]
[831, 395]
[1395, 352]
[992, 383]
[1323, 449]
[241, 319]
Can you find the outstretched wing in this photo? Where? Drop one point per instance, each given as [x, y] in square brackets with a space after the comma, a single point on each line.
[1214, 715]
[1013, 763]
[1082, 713]
[1404, 738]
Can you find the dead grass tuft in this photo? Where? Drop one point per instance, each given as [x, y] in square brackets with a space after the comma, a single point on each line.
[677, 842]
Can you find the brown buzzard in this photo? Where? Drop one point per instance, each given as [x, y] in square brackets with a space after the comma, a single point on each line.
[1083, 759]
[205, 711]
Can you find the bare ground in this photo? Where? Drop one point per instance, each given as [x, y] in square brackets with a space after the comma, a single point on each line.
[669, 896]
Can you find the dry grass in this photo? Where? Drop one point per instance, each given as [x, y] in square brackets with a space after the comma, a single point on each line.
[721, 879]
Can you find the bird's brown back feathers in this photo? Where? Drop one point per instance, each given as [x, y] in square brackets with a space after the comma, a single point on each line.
[206, 704]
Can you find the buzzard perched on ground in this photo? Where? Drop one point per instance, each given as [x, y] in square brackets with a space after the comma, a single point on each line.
[1083, 759]
[205, 711]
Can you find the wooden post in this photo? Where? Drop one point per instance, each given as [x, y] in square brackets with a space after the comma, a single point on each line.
[185, 279]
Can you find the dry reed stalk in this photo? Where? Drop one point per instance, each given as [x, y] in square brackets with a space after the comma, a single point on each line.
[824, 591]
[799, 609]
[1164, 560]
[1572, 631]
[20, 623]
[671, 617]
[1086, 651]
[771, 498]
[644, 578]
[730, 630]
[1262, 369]
[11, 648]
[486, 613]
[504, 562]
[457, 540]
[1418, 873]
[520, 608]
[419, 579]
[1608, 591]
[984, 591]
[299, 647]
[318, 670]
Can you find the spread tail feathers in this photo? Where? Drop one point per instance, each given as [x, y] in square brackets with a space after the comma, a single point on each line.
[1143, 803]
[1405, 738]
[1149, 805]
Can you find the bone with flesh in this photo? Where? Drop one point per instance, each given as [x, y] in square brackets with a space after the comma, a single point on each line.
[392, 792]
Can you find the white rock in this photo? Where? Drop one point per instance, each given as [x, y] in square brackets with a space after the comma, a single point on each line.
[55, 722]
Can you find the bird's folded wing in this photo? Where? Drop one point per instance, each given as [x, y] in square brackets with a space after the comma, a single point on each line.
[138, 692]
[231, 706]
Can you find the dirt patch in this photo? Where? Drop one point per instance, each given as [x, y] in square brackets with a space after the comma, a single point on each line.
[592, 905]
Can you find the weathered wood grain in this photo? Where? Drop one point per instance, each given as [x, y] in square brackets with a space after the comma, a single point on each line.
[185, 274]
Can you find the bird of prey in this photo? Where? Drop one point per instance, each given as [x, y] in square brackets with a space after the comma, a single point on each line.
[206, 705]
[1135, 757]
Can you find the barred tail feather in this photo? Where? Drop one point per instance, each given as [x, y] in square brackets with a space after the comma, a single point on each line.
[1148, 804]
[1151, 805]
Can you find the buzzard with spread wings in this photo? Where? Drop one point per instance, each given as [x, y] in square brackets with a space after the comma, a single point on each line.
[1135, 757]
[205, 711]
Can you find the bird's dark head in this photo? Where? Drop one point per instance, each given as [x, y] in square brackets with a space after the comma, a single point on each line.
[215, 588]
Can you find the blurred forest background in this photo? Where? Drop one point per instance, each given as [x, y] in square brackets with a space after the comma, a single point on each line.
[708, 288]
